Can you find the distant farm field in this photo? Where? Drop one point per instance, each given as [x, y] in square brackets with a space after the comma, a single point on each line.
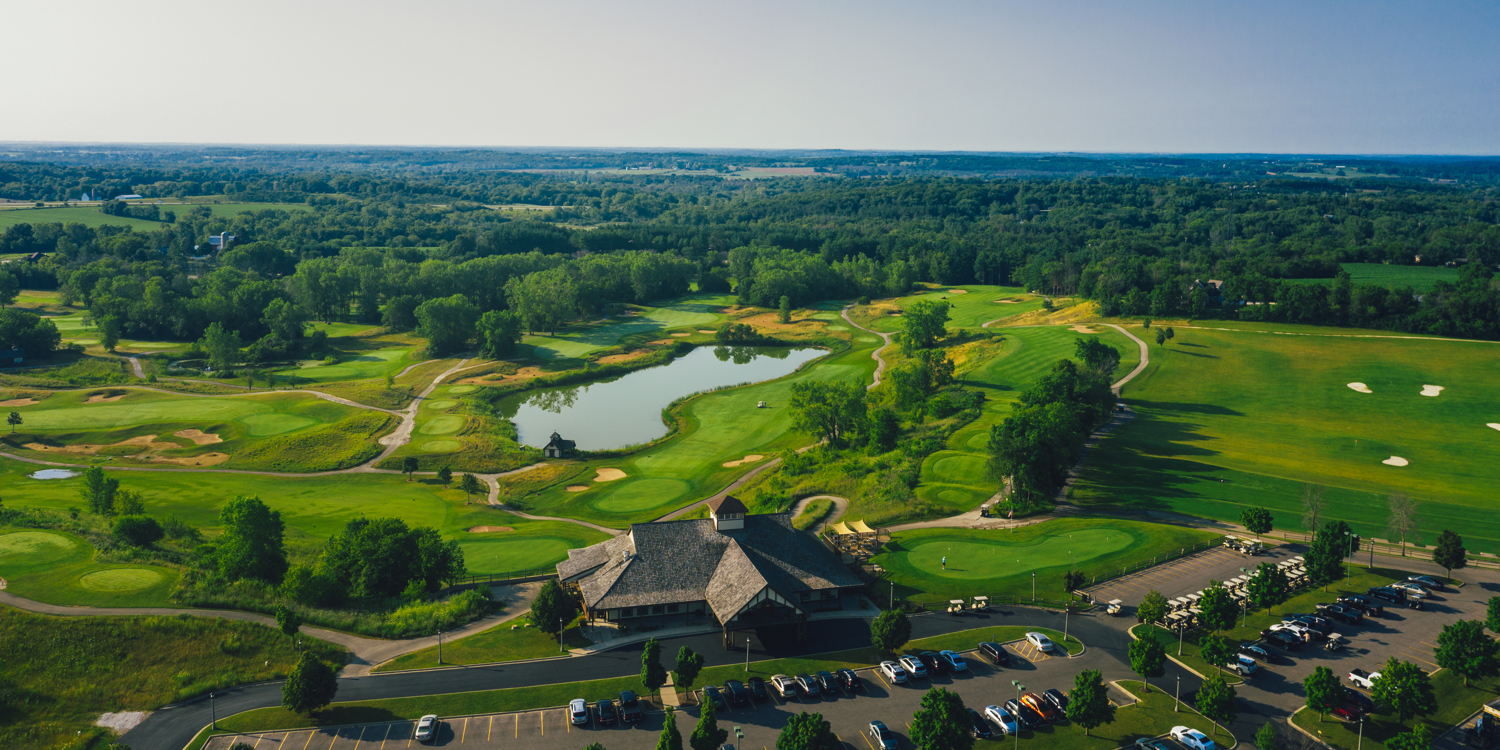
[1420, 278]
[91, 216]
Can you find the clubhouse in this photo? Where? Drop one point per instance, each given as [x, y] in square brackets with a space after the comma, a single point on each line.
[743, 570]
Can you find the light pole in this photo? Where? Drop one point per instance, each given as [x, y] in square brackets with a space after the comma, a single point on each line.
[1361, 742]
[747, 653]
[1033, 585]
[1181, 628]
[440, 645]
[1178, 707]
[560, 648]
[213, 709]
[1244, 599]
[1019, 688]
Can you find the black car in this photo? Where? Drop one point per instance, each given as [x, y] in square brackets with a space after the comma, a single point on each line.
[1026, 714]
[827, 684]
[996, 653]
[1257, 652]
[1057, 698]
[935, 664]
[850, 681]
[738, 695]
[712, 693]
[605, 710]
[1317, 625]
[1393, 596]
[1360, 700]
[1282, 639]
[981, 727]
[809, 685]
[1363, 604]
[1347, 615]
[758, 689]
[630, 707]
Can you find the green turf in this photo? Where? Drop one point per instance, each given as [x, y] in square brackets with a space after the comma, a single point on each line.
[1455, 702]
[970, 310]
[442, 425]
[692, 311]
[120, 579]
[371, 364]
[439, 405]
[641, 494]
[462, 389]
[998, 562]
[509, 641]
[1267, 413]
[59, 568]
[441, 446]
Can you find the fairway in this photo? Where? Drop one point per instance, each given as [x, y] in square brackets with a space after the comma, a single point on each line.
[975, 307]
[1235, 418]
[58, 568]
[697, 310]
[1001, 562]
[373, 364]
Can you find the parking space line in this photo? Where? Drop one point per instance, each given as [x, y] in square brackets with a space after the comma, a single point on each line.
[491, 730]
[868, 744]
[309, 739]
[542, 720]
[283, 740]
[568, 723]
[518, 726]
[465, 734]
[388, 728]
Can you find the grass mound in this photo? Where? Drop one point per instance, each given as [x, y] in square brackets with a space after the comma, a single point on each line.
[336, 446]
[120, 579]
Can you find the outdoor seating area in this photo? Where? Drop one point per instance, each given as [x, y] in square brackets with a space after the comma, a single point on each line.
[1183, 611]
[855, 539]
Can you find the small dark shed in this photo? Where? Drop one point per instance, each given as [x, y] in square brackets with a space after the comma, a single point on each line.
[558, 448]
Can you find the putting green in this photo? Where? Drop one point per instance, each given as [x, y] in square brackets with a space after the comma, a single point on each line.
[33, 547]
[488, 554]
[460, 389]
[641, 494]
[448, 423]
[959, 468]
[443, 404]
[120, 579]
[263, 425]
[969, 558]
[441, 446]
[979, 441]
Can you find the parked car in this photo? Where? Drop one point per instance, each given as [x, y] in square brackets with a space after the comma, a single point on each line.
[1427, 582]
[1257, 652]
[981, 727]
[606, 708]
[1002, 719]
[427, 728]
[786, 686]
[850, 681]
[827, 683]
[1042, 707]
[630, 707]
[1363, 679]
[738, 695]
[1192, 738]
[1057, 698]
[578, 711]
[808, 685]
[954, 661]
[1319, 627]
[882, 737]
[1025, 716]
[1347, 712]
[1364, 702]
[1146, 743]
[996, 653]
[712, 693]
[1482, 734]
[1412, 590]
[914, 665]
[758, 689]
[1364, 604]
[934, 663]
[893, 672]
[1042, 642]
[1388, 594]
[1345, 614]
[1242, 665]
[1281, 639]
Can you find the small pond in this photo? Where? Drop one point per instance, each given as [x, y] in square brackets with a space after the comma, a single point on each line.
[53, 474]
[627, 410]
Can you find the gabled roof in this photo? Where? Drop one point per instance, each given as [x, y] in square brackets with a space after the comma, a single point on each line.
[727, 504]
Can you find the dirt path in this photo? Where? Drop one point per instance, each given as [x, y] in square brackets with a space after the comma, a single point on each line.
[402, 434]
[135, 364]
[493, 480]
[1139, 367]
[875, 355]
[840, 507]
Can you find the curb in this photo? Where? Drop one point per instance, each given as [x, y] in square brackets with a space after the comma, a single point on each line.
[1131, 632]
[1309, 735]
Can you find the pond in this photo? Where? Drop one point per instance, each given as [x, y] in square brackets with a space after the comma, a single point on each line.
[53, 474]
[627, 410]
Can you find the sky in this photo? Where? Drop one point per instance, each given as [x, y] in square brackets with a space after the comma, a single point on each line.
[1199, 76]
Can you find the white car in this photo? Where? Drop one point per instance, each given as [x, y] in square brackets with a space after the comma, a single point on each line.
[1042, 642]
[893, 672]
[1192, 738]
[955, 661]
[785, 685]
[1412, 590]
[427, 727]
[1243, 666]
[578, 711]
[913, 665]
[1002, 719]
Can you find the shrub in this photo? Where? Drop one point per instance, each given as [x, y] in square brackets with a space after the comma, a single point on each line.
[138, 531]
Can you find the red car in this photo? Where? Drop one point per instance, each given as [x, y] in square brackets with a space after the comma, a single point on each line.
[1347, 712]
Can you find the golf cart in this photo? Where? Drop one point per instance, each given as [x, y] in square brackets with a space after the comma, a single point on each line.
[1115, 608]
[1335, 642]
[955, 607]
[980, 604]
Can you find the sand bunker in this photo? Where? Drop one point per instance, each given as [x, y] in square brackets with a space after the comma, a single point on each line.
[608, 475]
[680, 335]
[488, 529]
[1494, 425]
[19, 402]
[1084, 329]
[1007, 302]
[149, 446]
[706, 330]
[750, 459]
[577, 487]
[958, 291]
[199, 437]
[100, 398]
[1432, 390]
[207, 459]
[1395, 461]
[1361, 387]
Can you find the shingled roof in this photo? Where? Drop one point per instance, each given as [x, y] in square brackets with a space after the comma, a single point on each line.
[727, 504]
[688, 561]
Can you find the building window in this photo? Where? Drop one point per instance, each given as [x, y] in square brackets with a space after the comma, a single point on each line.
[656, 610]
[627, 612]
[672, 609]
[806, 596]
[830, 594]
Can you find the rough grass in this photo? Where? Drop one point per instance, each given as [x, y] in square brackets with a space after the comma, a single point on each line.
[1455, 703]
[349, 442]
[811, 515]
[497, 644]
[60, 673]
[999, 562]
[1267, 413]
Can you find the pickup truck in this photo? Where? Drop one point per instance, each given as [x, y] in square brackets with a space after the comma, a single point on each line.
[1363, 679]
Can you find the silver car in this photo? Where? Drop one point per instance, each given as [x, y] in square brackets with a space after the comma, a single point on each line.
[427, 728]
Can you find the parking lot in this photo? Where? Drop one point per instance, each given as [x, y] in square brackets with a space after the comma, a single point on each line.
[1183, 575]
[849, 714]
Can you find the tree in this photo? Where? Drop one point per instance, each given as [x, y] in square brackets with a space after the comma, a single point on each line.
[1216, 650]
[653, 675]
[445, 476]
[1097, 356]
[1161, 337]
[23, 330]
[310, 686]
[1266, 737]
[543, 300]
[1324, 691]
[1464, 648]
[1073, 580]
[1402, 520]
[707, 735]
[1492, 614]
[827, 410]
[1217, 608]
[1171, 334]
[1324, 561]
[1404, 689]
[1088, 701]
[448, 323]
[890, 631]
[670, 738]
[1268, 587]
[1148, 659]
[137, 531]
[1216, 700]
[13, 420]
[98, 491]
[594, 746]
[807, 731]
[1312, 507]
[129, 503]
[109, 332]
[784, 310]
[923, 323]
[1450, 552]
[941, 723]
[409, 466]
[222, 347]
[689, 664]
[471, 485]
[885, 428]
[1153, 607]
[1256, 520]
[384, 557]
[499, 331]
[251, 543]
[1419, 738]
[288, 620]
[553, 608]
